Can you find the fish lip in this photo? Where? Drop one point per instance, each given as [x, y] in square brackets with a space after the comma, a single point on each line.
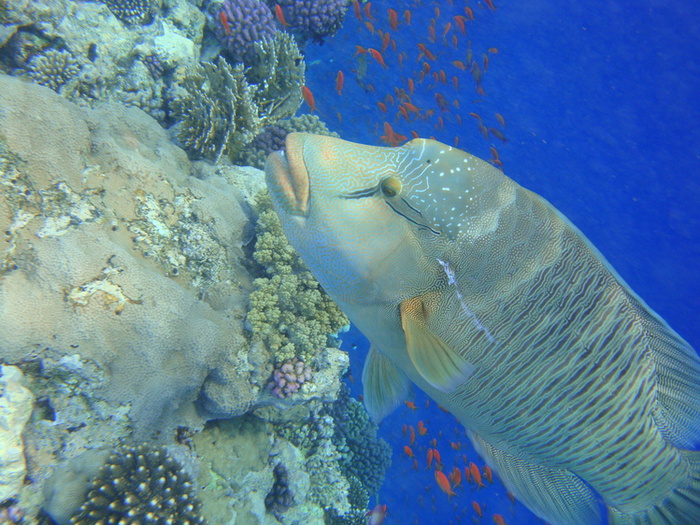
[288, 178]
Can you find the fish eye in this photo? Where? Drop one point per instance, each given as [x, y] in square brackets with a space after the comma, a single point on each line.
[391, 186]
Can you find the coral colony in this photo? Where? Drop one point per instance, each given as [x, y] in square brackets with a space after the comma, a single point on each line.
[288, 378]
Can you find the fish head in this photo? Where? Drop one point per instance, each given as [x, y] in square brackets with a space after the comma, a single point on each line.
[366, 219]
[328, 195]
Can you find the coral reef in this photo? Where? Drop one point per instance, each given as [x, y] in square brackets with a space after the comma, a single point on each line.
[219, 108]
[280, 497]
[16, 403]
[358, 498]
[53, 68]
[314, 19]
[96, 214]
[289, 378]
[140, 484]
[363, 455]
[289, 311]
[240, 25]
[132, 11]
[272, 138]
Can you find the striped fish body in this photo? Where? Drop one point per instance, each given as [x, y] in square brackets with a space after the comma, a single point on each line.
[491, 301]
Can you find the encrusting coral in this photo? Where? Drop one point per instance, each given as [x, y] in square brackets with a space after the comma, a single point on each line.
[289, 311]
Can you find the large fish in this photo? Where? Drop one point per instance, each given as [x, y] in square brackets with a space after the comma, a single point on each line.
[582, 399]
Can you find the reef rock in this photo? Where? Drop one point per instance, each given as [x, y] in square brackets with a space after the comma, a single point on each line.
[16, 403]
[118, 266]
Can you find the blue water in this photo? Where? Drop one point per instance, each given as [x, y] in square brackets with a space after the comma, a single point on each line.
[602, 107]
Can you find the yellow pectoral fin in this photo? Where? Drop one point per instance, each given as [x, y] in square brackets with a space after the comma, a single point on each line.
[438, 363]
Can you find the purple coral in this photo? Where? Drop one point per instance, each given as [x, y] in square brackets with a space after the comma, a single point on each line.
[314, 19]
[241, 24]
[289, 377]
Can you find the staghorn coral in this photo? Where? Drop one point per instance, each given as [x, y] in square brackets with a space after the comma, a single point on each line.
[53, 68]
[288, 309]
[247, 23]
[132, 11]
[140, 485]
[314, 19]
[363, 455]
[219, 109]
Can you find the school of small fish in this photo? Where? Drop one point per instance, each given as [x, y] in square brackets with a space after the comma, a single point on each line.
[444, 91]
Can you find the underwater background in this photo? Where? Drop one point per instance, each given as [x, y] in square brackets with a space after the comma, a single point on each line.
[594, 105]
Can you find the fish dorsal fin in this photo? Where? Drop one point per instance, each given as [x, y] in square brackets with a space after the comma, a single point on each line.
[384, 385]
[438, 363]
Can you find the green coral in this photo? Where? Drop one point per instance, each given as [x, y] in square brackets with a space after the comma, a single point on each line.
[289, 311]
[220, 108]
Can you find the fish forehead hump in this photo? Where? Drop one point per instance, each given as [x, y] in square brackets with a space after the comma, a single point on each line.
[455, 192]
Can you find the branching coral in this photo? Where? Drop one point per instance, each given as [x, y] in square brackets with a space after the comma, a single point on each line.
[288, 311]
[272, 138]
[53, 69]
[240, 25]
[314, 19]
[221, 108]
[140, 485]
[363, 454]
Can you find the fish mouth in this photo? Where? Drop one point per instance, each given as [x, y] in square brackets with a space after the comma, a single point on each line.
[288, 178]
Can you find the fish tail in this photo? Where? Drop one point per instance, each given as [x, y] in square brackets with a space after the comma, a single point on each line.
[680, 507]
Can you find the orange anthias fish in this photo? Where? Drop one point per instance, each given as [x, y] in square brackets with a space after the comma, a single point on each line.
[377, 515]
[224, 22]
[487, 470]
[308, 98]
[393, 19]
[422, 430]
[410, 428]
[436, 455]
[376, 55]
[357, 9]
[498, 519]
[490, 4]
[408, 451]
[429, 54]
[339, 81]
[444, 483]
[476, 475]
[477, 509]
[456, 476]
[430, 457]
[410, 404]
[280, 15]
